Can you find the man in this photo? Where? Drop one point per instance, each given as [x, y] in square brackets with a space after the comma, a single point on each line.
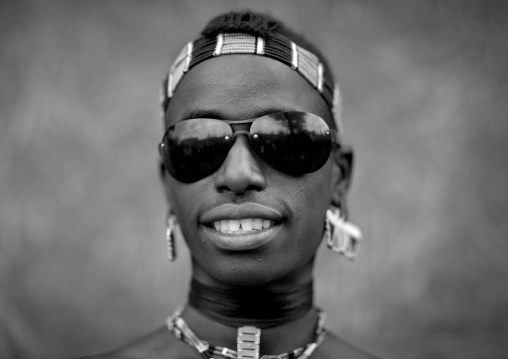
[254, 172]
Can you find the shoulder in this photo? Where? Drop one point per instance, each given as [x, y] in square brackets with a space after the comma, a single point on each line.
[335, 347]
[159, 344]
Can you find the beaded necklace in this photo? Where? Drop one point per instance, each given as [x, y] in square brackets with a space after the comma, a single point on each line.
[181, 330]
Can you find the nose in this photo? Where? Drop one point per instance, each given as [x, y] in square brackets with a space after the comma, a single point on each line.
[240, 172]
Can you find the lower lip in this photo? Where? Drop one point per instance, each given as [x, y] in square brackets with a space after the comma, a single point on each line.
[242, 241]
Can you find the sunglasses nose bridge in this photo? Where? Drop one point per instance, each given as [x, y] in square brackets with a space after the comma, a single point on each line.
[242, 132]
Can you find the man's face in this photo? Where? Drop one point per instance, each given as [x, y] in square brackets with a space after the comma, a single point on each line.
[235, 88]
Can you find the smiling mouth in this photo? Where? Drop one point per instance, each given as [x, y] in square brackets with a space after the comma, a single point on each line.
[245, 225]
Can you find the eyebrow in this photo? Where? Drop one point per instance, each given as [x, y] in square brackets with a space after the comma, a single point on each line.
[217, 114]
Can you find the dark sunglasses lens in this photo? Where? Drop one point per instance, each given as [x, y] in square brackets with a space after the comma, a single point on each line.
[196, 148]
[292, 142]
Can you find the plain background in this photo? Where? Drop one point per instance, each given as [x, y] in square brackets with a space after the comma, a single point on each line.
[82, 253]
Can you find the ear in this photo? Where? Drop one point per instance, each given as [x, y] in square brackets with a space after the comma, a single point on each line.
[342, 169]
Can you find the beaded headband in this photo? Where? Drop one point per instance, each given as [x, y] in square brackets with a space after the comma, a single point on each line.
[275, 46]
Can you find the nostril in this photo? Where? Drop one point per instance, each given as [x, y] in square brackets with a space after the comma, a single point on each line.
[239, 187]
[247, 189]
[241, 192]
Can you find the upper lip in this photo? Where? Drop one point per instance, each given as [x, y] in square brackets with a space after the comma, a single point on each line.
[240, 211]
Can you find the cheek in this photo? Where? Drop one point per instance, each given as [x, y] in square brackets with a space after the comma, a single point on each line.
[314, 191]
[183, 201]
[184, 204]
[311, 199]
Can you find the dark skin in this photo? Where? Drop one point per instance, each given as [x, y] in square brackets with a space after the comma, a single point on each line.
[235, 88]
[239, 88]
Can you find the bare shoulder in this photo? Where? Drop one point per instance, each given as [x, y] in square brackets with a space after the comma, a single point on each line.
[335, 347]
[159, 344]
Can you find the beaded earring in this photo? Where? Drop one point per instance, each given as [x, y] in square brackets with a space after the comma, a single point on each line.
[342, 236]
[170, 238]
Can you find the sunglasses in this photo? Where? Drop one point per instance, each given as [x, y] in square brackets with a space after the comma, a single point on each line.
[294, 143]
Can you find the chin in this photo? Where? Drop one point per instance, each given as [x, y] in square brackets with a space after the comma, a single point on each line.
[251, 271]
[247, 272]
[262, 258]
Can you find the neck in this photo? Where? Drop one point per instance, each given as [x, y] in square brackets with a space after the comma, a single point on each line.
[279, 334]
[260, 306]
[275, 340]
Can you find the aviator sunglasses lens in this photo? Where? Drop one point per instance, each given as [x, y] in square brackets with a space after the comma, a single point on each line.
[194, 149]
[292, 142]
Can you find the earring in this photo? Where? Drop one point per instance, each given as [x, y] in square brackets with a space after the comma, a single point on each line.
[341, 236]
[170, 238]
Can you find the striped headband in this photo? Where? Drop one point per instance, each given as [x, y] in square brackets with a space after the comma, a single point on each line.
[275, 46]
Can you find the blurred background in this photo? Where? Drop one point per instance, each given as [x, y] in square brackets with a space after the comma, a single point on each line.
[82, 253]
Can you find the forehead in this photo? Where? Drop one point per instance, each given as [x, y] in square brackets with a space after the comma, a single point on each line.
[240, 87]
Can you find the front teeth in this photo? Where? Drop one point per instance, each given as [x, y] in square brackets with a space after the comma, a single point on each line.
[242, 225]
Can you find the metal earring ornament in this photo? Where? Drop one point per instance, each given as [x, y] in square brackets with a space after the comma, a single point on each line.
[170, 238]
[341, 236]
